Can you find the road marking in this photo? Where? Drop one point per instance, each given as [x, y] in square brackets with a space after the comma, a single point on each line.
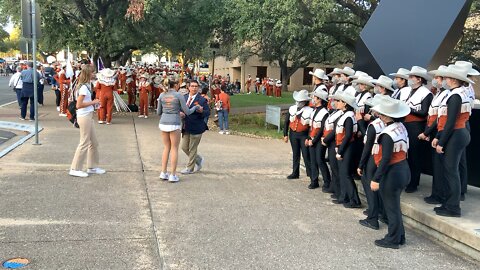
[6, 104]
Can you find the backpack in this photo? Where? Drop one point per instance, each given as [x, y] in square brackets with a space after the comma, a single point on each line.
[72, 108]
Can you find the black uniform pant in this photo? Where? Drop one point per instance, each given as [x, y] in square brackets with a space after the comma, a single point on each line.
[335, 179]
[416, 151]
[58, 97]
[373, 197]
[297, 141]
[349, 190]
[439, 185]
[453, 150]
[463, 166]
[319, 163]
[391, 186]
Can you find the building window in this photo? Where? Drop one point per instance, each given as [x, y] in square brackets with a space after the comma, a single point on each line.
[261, 72]
[307, 78]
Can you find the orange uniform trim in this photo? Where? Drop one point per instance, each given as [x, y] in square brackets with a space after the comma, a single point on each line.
[460, 123]
[396, 157]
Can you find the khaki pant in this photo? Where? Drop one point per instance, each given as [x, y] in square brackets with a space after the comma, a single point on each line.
[190, 144]
[88, 146]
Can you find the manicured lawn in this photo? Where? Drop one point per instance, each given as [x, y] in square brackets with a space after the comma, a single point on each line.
[252, 100]
[253, 124]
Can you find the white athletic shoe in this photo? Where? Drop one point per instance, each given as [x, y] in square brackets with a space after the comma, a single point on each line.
[108, 123]
[173, 178]
[199, 164]
[145, 116]
[96, 171]
[221, 132]
[186, 171]
[101, 122]
[227, 132]
[58, 108]
[141, 116]
[78, 173]
[62, 114]
[164, 175]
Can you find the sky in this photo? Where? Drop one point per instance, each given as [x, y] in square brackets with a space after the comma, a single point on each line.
[8, 27]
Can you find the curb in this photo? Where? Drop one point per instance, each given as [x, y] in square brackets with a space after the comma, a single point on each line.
[30, 129]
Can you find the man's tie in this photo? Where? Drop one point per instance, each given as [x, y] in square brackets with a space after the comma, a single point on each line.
[189, 101]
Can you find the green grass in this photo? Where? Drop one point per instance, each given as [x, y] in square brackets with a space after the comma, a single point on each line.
[253, 124]
[252, 100]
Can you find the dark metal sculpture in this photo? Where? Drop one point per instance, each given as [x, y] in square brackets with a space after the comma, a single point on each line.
[404, 33]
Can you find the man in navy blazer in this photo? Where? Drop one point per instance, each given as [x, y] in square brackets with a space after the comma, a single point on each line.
[194, 125]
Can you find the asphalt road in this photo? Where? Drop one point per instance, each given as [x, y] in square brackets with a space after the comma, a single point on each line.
[6, 93]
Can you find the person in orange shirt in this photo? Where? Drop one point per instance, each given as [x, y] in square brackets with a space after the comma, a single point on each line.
[144, 88]
[64, 91]
[122, 78]
[248, 84]
[106, 84]
[131, 88]
[278, 89]
[223, 109]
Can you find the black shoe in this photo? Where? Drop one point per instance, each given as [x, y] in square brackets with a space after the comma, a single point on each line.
[313, 186]
[386, 244]
[439, 208]
[325, 189]
[432, 200]
[402, 240]
[462, 197]
[333, 196]
[411, 189]
[292, 176]
[336, 201]
[383, 220]
[447, 213]
[352, 205]
[369, 224]
[365, 212]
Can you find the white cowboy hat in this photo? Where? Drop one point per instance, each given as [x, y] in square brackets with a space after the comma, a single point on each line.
[184, 84]
[321, 94]
[392, 108]
[107, 73]
[419, 72]
[401, 73]
[469, 67]
[456, 72]
[377, 99]
[129, 73]
[349, 99]
[364, 80]
[433, 73]
[384, 81]
[144, 76]
[358, 74]
[319, 73]
[336, 71]
[301, 95]
[348, 71]
[279, 83]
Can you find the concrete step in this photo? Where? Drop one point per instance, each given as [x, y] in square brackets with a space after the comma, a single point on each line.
[462, 234]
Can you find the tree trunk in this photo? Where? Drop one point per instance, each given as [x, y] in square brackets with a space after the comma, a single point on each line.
[286, 73]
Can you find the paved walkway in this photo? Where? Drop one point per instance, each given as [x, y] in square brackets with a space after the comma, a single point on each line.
[239, 212]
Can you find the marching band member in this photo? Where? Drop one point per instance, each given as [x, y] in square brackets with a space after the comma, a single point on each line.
[453, 137]
[64, 91]
[248, 83]
[471, 94]
[144, 88]
[319, 78]
[362, 95]
[131, 88]
[296, 128]
[328, 140]
[392, 174]
[122, 78]
[438, 183]
[419, 101]
[346, 82]
[278, 89]
[335, 74]
[316, 149]
[366, 167]
[400, 84]
[383, 86]
[345, 131]
[106, 84]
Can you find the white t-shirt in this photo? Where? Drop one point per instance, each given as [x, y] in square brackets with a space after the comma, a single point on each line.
[84, 91]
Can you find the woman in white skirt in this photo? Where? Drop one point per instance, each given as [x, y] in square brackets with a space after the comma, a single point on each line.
[171, 104]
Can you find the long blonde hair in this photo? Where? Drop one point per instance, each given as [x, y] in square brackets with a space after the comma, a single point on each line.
[85, 76]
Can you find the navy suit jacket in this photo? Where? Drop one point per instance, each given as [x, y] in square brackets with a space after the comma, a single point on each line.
[194, 123]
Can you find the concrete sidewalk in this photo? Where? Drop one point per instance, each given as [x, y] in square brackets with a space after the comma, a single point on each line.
[239, 212]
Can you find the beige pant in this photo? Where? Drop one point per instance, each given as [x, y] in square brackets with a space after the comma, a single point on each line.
[190, 144]
[88, 146]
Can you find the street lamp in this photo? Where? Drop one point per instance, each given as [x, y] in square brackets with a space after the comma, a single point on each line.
[214, 46]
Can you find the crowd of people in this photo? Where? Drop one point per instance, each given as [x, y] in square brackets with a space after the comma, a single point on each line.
[267, 86]
[383, 130]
